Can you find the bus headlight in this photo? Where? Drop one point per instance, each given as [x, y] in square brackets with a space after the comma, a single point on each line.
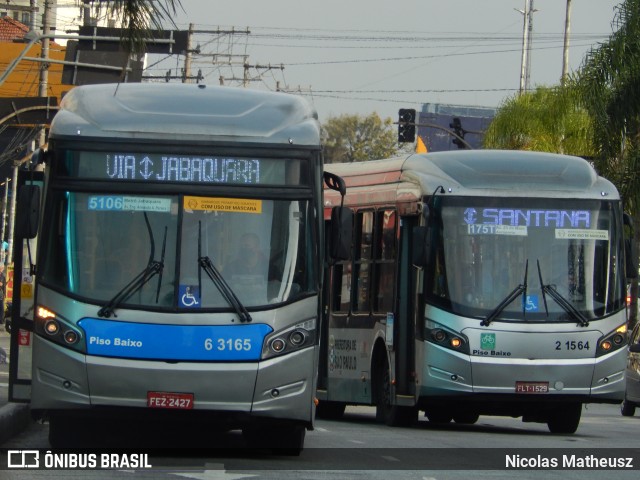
[612, 341]
[291, 339]
[439, 335]
[52, 326]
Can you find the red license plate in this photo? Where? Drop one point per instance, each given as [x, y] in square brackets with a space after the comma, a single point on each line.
[532, 387]
[182, 401]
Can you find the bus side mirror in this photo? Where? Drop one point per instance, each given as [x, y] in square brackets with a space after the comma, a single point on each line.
[341, 232]
[420, 246]
[27, 212]
[335, 182]
[630, 250]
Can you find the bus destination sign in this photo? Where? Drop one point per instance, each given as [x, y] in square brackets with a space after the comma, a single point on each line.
[163, 168]
[160, 168]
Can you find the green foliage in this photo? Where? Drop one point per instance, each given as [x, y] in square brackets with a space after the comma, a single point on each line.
[356, 138]
[609, 82]
[547, 119]
[138, 18]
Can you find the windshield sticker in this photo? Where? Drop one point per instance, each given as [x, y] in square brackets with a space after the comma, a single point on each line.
[210, 204]
[488, 346]
[114, 203]
[496, 230]
[581, 234]
[528, 218]
[531, 304]
[189, 296]
[488, 341]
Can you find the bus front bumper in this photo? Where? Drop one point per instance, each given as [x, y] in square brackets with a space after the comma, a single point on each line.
[277, 388]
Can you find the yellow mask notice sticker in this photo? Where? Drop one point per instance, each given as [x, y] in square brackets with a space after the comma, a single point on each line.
[213, 204]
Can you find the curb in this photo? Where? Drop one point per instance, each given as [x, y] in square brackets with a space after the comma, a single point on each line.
[14, 418]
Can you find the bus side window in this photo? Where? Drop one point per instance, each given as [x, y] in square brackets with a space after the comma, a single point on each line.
[385, 261]
[341, 287]
[340, 278]
[362, 261]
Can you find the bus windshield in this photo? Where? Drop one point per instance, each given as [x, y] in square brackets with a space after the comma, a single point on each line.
[100, 243]
[557, 254]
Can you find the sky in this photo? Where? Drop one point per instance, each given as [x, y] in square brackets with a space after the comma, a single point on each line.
[364, 56]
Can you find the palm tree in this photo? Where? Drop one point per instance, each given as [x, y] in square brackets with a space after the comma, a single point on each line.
[608, 83]
[138, 17]
[548, 119]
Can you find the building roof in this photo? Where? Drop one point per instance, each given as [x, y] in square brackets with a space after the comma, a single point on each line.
[11, 29]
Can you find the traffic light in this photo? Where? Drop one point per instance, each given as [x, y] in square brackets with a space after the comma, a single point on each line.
[406, 125]
[458, 130]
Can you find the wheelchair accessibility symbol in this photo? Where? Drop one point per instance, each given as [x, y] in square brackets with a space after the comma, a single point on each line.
[189, 296]
[531, 303]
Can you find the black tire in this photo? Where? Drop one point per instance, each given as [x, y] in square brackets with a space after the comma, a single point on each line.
[565, 419]
[63, 433]
[627, 409]
[439, 416]
[287, 440]
[466, 418]
[392, 415]
[330, 410]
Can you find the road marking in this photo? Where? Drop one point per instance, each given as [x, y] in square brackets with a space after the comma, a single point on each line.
[213, 475]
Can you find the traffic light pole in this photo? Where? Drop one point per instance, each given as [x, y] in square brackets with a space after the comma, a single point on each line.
[433, 125]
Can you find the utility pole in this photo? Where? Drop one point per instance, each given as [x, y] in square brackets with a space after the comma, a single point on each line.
[42, 137]
[33, 6]
[187, 57]
[44, 69]
[527, 81]
[246, 66]
[86, 13]
[3, 253]
[527, 30]
[565, 52]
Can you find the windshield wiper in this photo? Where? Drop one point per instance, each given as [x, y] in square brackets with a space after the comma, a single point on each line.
[515, 293]
[153, 267]
[560, 300]
[218, 280]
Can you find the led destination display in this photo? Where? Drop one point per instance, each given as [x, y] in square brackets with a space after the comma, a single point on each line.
[160, 168]
[528, 217]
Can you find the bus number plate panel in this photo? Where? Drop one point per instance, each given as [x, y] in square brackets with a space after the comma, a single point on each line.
[182, 401]
[532, 387]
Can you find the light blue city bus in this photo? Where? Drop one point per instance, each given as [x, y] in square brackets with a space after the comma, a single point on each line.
[480, 283]
[179, 261]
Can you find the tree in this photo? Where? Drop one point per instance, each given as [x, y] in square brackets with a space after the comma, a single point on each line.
[608, 82]
[548, 119]
[138, 17]
[355, 138]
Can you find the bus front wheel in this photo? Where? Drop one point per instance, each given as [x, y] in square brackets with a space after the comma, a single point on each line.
[330, 410]
[466, 418]
[439, 415]
[565, 419]
[285, 440]
[627, 409]
[392, 415]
